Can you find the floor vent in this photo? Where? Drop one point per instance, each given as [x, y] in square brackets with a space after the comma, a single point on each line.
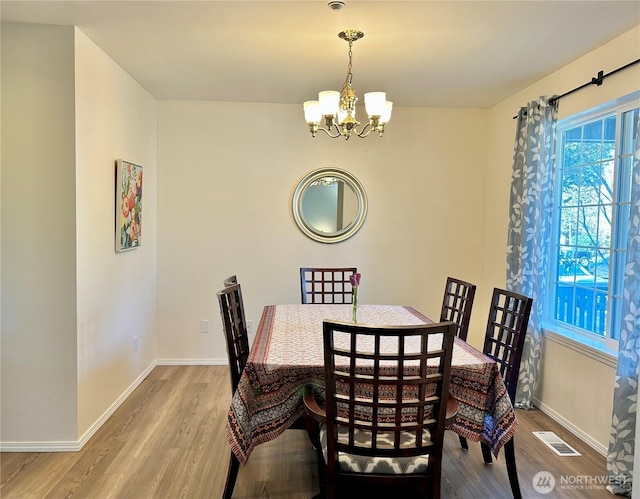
[556, 444]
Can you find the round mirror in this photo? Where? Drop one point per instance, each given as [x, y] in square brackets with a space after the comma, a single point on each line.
[329, 205]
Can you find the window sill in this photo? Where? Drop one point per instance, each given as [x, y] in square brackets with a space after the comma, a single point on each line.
[596, 350]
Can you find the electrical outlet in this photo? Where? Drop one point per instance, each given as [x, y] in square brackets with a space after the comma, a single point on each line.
[135, 343]
[204, 326]
[249, 326]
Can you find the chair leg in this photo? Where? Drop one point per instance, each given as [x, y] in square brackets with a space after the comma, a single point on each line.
[330, 491]
[463, 443]
[486, 453]
[322, 470]
[322, 473]
[232, 474]
[436, 482]
[313, 430]
[510, 458]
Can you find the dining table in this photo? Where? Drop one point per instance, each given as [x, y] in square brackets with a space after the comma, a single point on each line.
[287, 356]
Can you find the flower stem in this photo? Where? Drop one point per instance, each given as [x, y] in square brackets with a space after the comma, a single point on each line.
[355, 305]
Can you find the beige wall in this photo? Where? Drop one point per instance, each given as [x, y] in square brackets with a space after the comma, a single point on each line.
[71, 305]
[569, 380]
[38, 395]
[115, 118]
[226, 175]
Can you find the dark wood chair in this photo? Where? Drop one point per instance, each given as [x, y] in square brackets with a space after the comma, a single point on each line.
[230, 281]
[457, 304]
[237, 338]
[326, 285]
[503, 342]
[385, 413]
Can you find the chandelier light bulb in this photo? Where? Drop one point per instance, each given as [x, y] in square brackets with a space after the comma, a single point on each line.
[312, 112]
[329, 102]
[374, 103]
[386, 114]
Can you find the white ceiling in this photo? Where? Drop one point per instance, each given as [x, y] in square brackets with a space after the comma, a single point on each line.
[422, 53]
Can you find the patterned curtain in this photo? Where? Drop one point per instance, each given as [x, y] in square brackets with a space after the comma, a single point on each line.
[625, 394]
[529, 230]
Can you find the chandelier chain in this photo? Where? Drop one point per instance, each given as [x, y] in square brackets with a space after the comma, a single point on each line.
[349, 74]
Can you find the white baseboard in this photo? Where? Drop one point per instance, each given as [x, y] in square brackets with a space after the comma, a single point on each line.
[71, 445]
[587, 439]
[61, 446]
[192, 362]
[107, 414]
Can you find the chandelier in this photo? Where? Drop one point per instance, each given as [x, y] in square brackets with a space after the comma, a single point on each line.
[338, 109]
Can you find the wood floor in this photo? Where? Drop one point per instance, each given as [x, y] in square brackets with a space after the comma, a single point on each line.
[167, 441]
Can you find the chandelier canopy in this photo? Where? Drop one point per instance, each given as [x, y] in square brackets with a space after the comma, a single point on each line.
[338, 109]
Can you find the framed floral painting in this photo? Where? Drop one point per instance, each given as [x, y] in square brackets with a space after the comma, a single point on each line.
[128, 205]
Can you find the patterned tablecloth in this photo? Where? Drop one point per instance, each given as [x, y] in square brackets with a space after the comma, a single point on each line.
[287, 354]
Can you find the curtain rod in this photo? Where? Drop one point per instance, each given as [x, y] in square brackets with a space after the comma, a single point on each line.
[597, 80]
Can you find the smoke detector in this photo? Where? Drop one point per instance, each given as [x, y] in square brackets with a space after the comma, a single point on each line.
[335, 5]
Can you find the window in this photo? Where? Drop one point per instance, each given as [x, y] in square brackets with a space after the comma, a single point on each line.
[591, 214]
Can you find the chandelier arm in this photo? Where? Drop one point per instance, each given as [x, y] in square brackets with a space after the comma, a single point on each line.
[336, 127]
[367, 128]
[328, 132]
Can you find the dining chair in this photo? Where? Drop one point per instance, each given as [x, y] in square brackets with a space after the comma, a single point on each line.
[457, 303]
[230, 281]
[326, 285]
[237, 339]
[385, 409]
[504, 341]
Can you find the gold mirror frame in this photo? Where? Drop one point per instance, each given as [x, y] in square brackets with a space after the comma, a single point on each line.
[349, 181]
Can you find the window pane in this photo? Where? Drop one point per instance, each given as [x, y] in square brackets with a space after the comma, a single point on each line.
[572, 147]
[593, 132]
[610, 129]
[584, 306]
[587, 226]
[628, 132]
[570, 186]
[606, 182]
[600, 267]
[609, 146]
[569, 227]
[565, 307]
[591, 152]
[595, 159]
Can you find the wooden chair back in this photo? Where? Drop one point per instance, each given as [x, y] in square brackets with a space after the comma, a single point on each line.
[457, 304]
[326, 285]
[235, 329]
[506, 330]
[230, 281]
[390, 383]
